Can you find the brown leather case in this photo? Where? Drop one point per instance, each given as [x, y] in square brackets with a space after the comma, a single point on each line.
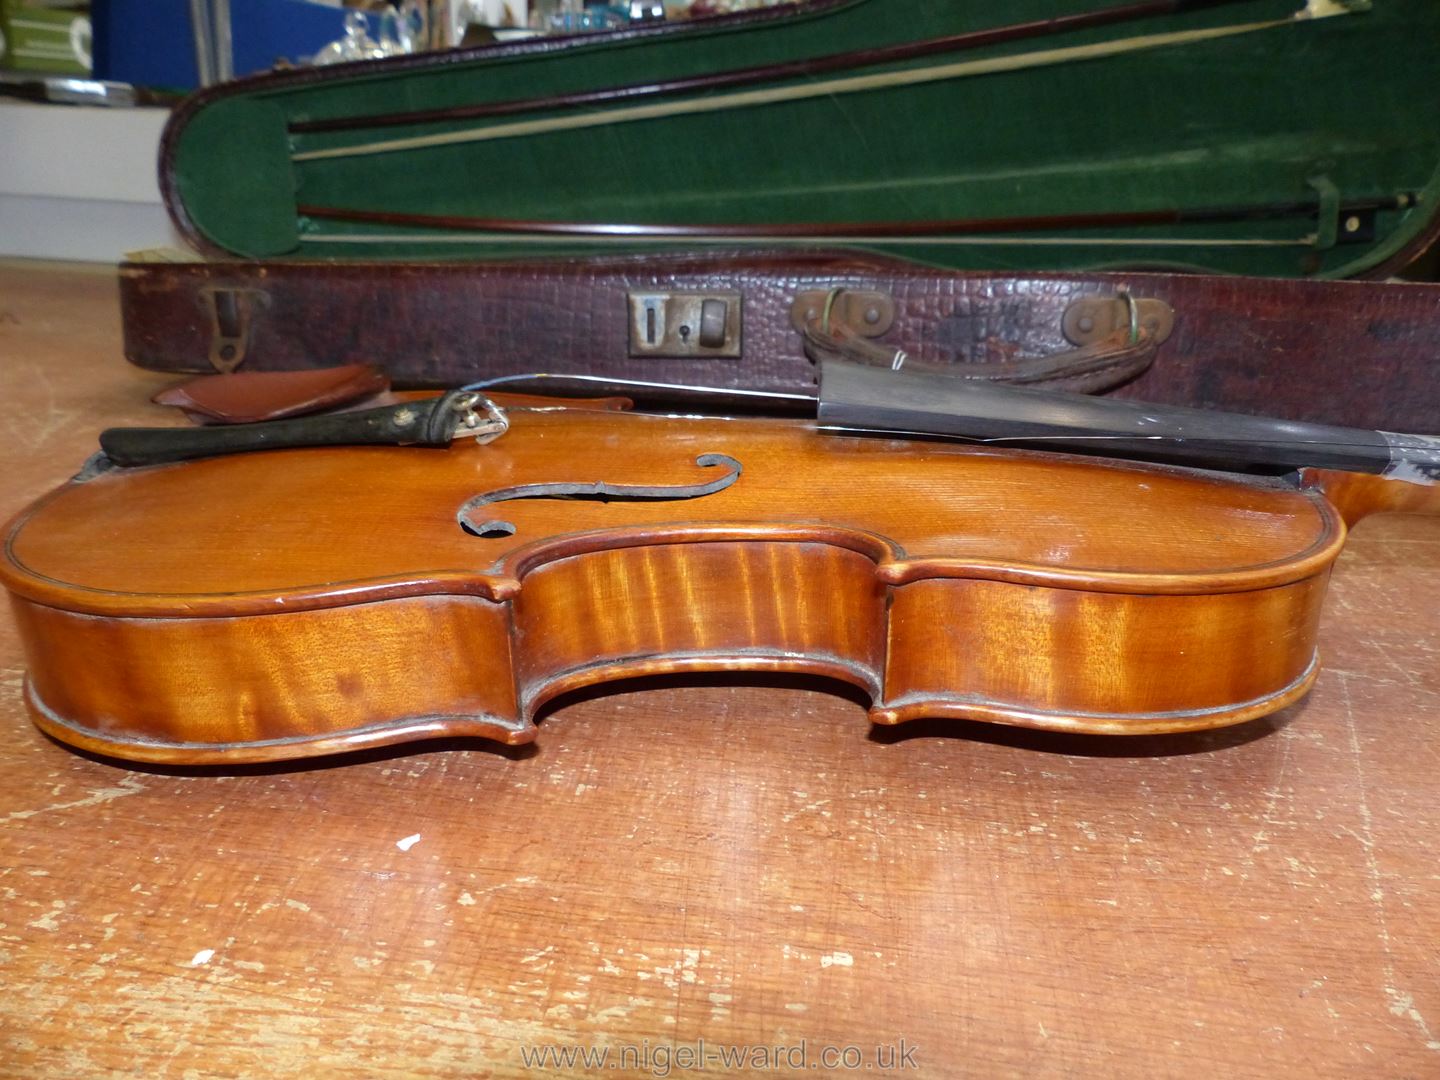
[1355, 353]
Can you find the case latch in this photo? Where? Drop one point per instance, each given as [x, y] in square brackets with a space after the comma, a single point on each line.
[868, 312]
[231, 319]
[1094, 318]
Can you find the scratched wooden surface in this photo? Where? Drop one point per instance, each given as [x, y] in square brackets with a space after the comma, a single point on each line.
[735, 863]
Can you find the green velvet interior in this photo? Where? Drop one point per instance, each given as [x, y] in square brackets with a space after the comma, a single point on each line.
[1243, 120]
[235, 178]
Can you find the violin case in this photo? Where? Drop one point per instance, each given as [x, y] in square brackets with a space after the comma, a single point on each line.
[954, 182]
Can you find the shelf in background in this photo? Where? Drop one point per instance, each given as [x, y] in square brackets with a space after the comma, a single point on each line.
[79, 182]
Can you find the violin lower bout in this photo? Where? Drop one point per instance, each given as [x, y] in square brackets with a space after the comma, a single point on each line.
[964, 644]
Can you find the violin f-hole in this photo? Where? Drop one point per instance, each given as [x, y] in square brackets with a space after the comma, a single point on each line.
[599, 491]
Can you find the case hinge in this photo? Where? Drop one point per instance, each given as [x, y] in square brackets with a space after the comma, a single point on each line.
[1094, 318]
[868, 312]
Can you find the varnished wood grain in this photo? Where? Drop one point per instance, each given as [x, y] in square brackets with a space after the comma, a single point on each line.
[1056, 657]
[319, 520]
[727, 861]
[259, 606]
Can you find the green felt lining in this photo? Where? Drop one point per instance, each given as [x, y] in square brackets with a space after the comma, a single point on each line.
[235, 178]
[1250, 119]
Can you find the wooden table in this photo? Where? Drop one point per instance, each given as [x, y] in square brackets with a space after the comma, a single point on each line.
[739, 862]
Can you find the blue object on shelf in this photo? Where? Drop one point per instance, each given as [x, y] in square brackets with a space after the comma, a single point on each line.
[151, 43]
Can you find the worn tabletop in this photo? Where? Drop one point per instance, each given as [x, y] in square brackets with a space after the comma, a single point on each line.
[724, 870]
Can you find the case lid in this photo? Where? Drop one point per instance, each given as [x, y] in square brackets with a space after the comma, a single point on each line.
[1246, 136]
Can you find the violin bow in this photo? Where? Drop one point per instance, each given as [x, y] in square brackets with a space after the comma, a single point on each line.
[810, 88]
[810, 68]
[1356, 217]
[314, 145]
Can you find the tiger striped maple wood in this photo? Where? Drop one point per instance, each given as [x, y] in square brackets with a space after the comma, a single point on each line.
[299, 602]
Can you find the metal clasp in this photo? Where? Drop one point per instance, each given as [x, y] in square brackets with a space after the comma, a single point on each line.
[1094, 318]
[231, 323]
[485, 428]
[868, 312]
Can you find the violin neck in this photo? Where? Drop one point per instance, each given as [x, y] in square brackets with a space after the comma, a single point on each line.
[1358, 495]
[860, 397]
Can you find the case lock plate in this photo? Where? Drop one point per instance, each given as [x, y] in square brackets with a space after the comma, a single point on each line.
[678, 325]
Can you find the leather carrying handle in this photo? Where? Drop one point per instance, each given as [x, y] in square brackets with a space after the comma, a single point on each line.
[1091, 369]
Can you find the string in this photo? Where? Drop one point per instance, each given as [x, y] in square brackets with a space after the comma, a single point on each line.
[1201, 441]
[605, 380]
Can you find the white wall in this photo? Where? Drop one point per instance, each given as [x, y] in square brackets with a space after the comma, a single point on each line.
[79, 182]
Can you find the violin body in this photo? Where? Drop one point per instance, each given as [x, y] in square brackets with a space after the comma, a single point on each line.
[288, 603]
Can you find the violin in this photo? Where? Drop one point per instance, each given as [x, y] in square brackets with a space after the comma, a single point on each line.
[382, 577]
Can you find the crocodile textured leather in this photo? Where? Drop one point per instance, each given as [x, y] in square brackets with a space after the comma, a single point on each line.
[1361, 354]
